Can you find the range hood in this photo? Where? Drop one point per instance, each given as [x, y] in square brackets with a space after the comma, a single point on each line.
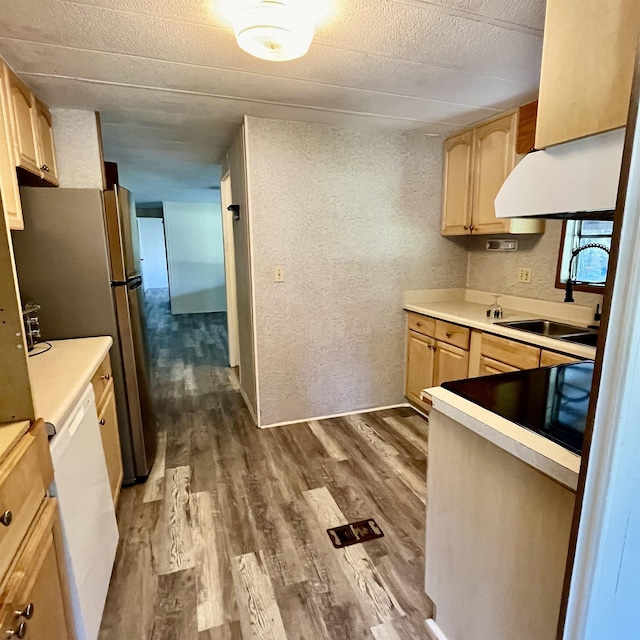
[574, 180]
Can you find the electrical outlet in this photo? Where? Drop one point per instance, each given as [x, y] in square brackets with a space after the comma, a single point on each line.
[524, 275]
[278, 274]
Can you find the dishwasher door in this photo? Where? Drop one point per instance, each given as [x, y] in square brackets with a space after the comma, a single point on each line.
[88, 519]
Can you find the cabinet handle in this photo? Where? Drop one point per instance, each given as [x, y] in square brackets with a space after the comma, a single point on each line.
[106, 376]
[102, 422]
[448, 334]
[471, 228]
[418, 324]
[466, 226]
[44, 168]
[6, 518]
[19, 632]
[27, 612]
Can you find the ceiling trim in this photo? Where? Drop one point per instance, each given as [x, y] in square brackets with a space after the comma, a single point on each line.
[204, 94]
[430, 5]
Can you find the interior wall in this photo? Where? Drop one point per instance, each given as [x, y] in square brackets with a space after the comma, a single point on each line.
[235, 164]
[354, 218]
[195, 257]
[78, 153]
[153, 253]
[497, 272]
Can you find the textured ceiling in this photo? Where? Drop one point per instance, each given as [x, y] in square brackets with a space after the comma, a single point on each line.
[172, 85]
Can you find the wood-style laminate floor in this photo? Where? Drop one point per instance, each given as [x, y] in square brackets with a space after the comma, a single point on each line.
[227, 539]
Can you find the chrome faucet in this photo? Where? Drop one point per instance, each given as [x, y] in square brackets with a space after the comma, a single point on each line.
[568, 297]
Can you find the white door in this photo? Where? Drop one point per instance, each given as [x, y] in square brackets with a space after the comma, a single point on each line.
[153, 253]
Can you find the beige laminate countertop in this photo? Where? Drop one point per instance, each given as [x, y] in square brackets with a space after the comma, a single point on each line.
[538, 452]
[474, 315]
[60, 376]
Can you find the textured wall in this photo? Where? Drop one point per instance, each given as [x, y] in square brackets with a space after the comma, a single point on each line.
[77, 149]
[498, 271]
[354, 218]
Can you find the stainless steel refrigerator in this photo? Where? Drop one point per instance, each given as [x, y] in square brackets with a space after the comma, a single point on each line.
[78, 258]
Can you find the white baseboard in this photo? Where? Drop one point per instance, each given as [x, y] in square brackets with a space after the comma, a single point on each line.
[434, 630]
[336, 415]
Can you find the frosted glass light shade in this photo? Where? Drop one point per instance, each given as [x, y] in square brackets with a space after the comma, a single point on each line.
[272, 29]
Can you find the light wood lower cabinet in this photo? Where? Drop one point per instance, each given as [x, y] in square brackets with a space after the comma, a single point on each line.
[451, 363]
[439, 351]
[551, 358]
[489, 367]
[420, 361]
[37, 585]
[111, 443]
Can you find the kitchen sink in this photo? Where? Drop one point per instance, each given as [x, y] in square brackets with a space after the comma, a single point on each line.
[590, 339]
[544, 327]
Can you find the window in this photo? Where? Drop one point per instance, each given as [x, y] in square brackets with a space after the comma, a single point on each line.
[589, 268]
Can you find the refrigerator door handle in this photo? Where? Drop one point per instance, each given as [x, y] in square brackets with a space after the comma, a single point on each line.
[118, 283]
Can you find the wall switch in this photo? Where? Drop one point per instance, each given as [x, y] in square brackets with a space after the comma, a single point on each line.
[278, 274]
[524, 276]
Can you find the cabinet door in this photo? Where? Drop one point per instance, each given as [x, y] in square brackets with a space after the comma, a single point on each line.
[451, 363]
[551, 358]
[494, 158]
[587, 68]
[457, 193]
[46, 148]
[420, 357]
[111, 443]
[489, 367]
[24, 129]
[8, 177]
[37, 586]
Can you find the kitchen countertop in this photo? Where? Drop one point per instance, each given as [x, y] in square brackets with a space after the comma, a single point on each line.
[551, 459]
[474, 315]
[60, 375]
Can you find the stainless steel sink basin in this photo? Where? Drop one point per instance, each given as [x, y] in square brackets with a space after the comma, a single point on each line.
[544, 327]
[590, 339]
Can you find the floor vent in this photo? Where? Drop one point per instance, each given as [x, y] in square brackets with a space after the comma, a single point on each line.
[353, 533]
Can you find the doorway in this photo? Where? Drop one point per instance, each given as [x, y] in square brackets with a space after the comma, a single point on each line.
[153, 253]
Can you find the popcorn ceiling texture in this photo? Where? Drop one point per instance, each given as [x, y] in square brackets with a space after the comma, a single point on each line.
[497, 272]
[354, 218]
[77, 149]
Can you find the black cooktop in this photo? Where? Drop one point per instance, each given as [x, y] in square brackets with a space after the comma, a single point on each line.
[552, 401]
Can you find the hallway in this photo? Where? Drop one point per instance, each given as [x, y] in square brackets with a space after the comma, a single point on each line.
[227, 540]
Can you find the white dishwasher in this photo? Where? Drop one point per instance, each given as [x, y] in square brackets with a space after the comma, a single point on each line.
[89, 527]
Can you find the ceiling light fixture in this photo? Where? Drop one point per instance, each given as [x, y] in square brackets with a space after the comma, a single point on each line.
[276, 30]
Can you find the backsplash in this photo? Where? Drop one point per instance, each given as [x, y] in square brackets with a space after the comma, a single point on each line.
[497, 272]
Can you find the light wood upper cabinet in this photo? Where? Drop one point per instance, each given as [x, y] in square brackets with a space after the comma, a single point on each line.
[494, 158]
[587, 68]
[46, 148]
[456, 200]
[420, 361]
[476, 164]
[452, 363]
[23, 117]
[9, 190]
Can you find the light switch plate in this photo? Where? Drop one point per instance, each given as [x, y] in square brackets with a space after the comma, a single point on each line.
[524, 275]
[278, 274]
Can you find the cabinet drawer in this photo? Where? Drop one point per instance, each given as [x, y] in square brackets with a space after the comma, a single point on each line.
[100, 381]
[551, 358]
[453, 334]
[23, 484]
[422, 324]
[516, 354]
